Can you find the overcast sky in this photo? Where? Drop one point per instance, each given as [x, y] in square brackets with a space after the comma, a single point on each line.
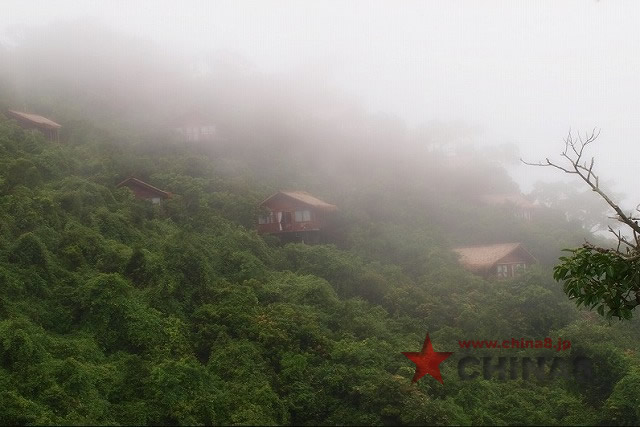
[524, 71]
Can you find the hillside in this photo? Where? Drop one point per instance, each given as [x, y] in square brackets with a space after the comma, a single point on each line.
[114, 310]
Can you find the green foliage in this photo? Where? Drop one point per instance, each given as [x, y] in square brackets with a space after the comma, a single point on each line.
[29, 251]
[623, 406]
[600, 279]
[117, 311]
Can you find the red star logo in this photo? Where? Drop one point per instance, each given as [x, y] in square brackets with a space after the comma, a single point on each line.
[427, 361]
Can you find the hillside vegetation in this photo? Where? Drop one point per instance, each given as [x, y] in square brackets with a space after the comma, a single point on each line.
[117, 311]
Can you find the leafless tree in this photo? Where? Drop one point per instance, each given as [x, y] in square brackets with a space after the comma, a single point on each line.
[578, 165]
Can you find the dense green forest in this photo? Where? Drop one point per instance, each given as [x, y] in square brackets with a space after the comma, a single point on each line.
[117, 311]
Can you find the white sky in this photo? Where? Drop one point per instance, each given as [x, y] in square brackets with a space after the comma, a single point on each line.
[525, 71]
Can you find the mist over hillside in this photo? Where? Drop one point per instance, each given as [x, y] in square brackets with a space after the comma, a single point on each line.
[138, 284]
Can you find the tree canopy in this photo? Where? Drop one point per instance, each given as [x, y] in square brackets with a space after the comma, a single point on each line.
[114, 310]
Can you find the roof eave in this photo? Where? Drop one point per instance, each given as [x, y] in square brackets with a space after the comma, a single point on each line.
[145, 185]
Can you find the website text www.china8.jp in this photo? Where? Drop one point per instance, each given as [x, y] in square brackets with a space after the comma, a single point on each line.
[560, 344]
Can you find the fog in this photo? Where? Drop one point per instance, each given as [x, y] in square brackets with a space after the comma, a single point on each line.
[510, 78]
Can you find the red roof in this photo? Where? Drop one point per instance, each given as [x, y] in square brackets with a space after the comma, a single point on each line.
[478, 258]
[303, 197]
[139, 183]
[35, 119]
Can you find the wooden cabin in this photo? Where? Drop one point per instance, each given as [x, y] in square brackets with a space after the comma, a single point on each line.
[516, 203]
[47, 127]
[145, 191]
[502, 260]
[295, 216]
[196, 127]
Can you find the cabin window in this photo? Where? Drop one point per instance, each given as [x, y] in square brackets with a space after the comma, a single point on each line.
[286, 218]
[155, 200]
[503, 270]
[303, 216]
[208, 130]
[192, 133]
[266, 219]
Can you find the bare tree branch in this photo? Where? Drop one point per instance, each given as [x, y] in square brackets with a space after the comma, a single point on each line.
[573, 152]
[611, 251]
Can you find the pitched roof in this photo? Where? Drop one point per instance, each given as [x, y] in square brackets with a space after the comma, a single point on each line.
[140, 183]
[477, 258]
[304, 197]
[35, 119]
[501, 199]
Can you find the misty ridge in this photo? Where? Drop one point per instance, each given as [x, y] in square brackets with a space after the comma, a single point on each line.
[104, 75]
[79, 71]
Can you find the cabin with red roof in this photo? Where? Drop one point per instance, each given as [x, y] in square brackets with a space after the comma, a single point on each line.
[295, 216]
[516, 203]
[145, 191]
[47, 127]
[498, 261]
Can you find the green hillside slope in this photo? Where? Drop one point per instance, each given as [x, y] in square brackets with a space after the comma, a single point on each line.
[117, 311]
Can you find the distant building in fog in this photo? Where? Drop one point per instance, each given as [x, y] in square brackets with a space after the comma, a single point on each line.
[500, 260]
[295, 216]
[516, 203]
[145, 191]
[196, 127]
[33, 121]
